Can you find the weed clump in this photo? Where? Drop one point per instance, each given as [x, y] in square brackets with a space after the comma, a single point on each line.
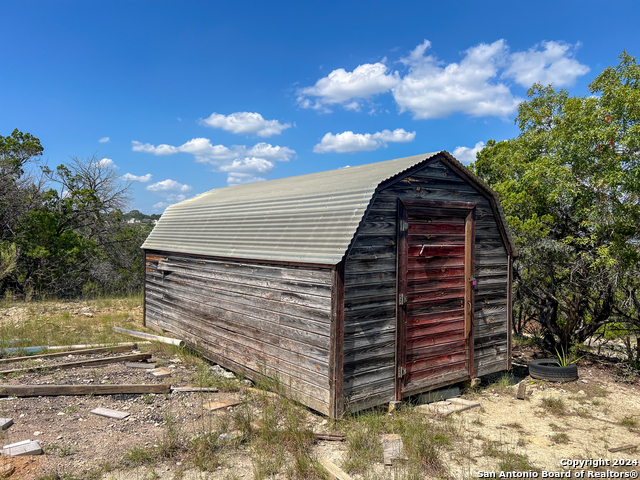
[555, 406]
[561, 438]
[629, 422]
[423, 444]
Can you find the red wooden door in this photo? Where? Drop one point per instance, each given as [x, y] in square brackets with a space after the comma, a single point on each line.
[435, 305]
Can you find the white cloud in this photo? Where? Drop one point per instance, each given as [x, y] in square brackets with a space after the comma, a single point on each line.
[239, 159]
[430, 90]
[242, 178]
[252, 165]
[342, 87]
[105, 163]
[168, 185]
[245, 123]
[161, 205]
[245, 171]
[205, 152]
[467, 155]
[349, 142]
[479, 85]
[104, 140]
[266, 150]
[129, 177]
[175, 198]
[554, 63]
[148, 148]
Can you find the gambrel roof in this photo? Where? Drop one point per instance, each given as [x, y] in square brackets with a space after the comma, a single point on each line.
[304, 219]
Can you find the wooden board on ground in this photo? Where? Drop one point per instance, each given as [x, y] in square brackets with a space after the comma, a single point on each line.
[391, 448]
[107, 412]
[448, 407]
[465, 403]
[522, 391]
[333, 469]
[160, 372]
[55, 390]
[5, 423]
[136, 357]
[211, 406]
[193, 389]
[623, 448]
[146, 366]
[329, 437]
[23, 448]
[86, 351]
[262, 392]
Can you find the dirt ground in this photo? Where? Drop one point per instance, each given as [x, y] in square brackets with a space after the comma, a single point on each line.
[577, 420]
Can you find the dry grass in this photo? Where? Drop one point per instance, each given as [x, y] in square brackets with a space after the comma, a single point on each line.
[71, 323]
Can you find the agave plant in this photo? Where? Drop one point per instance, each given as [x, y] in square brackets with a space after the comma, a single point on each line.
[564, 358]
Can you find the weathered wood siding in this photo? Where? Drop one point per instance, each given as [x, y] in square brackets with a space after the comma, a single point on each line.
[370, 287]
[253, 318]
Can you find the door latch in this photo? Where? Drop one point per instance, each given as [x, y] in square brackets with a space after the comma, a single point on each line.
[401, 372]
[404, 225]
[402, 299]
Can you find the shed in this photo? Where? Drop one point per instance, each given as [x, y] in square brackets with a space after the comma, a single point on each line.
[354, 287]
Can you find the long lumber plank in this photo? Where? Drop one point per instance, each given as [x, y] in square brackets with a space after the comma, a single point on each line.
[136, 357]
[86, 351]
[56, 390]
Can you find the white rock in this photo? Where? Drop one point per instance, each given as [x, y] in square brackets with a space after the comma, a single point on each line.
[221, 372]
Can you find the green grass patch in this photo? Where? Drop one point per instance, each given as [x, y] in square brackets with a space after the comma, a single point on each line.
[629, 422]
[514, 425]
[139, 456]
[555, 406]
[561, 438]
[515, 462]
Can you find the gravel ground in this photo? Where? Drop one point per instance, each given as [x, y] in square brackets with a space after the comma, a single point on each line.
[598, 412]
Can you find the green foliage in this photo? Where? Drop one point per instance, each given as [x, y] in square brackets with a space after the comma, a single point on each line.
[16, 150]
[62, 232]
[570, 188]
[565, 359]
[141, 217]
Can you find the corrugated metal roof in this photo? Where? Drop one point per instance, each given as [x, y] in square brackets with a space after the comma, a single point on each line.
[308, 219]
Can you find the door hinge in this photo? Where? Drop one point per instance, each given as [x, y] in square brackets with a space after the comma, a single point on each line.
[404, 225]
[402, 299]
[401, 372]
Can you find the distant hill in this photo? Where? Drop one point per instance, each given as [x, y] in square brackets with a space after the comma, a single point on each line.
[140, 217]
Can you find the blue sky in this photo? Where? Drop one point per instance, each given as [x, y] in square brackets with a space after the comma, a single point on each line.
[183, 97]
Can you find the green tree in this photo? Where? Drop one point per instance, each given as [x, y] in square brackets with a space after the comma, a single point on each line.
[68, 238]
[18, 194]
[570, 187]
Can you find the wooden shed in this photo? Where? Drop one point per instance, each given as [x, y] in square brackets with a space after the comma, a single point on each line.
[354, 287]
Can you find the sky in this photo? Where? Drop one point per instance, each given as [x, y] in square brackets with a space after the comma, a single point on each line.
[184, 97]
